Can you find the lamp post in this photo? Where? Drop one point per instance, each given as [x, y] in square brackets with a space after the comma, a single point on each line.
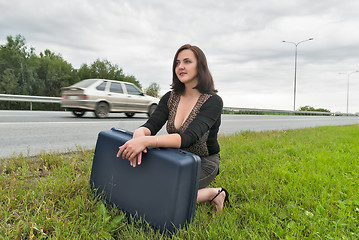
[295, 65]
[348, 75]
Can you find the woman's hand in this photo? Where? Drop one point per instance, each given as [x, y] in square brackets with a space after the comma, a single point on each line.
[133, 149]
[140, 132]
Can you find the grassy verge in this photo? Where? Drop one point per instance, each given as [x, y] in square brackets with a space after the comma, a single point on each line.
[296, 184]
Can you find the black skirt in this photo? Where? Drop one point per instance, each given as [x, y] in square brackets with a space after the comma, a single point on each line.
[209, 170]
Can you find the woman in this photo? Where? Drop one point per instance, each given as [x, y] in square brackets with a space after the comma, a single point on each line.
[193, 111]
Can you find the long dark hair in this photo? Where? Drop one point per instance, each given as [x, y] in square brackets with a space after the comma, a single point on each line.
[205, 80]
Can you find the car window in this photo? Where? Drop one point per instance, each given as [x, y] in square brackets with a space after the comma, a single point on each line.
[116, 87]
[102, 86]
[84, 83]
[132, 90]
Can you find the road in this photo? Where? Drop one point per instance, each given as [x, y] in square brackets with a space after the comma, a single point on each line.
[33, 132]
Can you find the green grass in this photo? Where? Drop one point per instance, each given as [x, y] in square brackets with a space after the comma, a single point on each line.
[296, 184]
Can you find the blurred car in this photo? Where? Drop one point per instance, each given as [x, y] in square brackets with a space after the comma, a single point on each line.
[103, 96]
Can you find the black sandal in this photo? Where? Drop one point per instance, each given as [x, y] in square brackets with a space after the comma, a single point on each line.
[226, 199]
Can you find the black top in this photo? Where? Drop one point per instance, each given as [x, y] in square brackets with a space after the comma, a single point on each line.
[199, 131]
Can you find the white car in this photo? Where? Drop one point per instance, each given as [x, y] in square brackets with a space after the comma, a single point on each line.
[102, 96]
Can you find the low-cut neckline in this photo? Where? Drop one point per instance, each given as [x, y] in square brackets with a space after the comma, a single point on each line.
[179, 126]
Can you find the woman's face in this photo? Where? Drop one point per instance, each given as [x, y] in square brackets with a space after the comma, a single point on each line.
[186, 67]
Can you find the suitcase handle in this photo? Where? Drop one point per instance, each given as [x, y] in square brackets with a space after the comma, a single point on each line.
[122, 130]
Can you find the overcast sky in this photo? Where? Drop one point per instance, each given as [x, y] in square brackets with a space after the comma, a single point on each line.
[242, 39]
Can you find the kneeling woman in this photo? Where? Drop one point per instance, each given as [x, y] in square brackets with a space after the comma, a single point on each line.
[192, 111]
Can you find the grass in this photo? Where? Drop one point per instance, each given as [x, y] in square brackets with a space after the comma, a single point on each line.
[295, 184]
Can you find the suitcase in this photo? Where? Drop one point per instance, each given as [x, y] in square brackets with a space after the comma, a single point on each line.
[162, 190]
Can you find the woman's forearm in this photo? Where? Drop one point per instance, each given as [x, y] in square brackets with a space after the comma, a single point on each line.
[169, 140]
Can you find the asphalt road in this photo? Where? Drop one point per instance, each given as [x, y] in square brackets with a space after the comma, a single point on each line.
[33, 132]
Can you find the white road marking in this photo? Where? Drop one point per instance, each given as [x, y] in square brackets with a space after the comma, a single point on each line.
[39, 123]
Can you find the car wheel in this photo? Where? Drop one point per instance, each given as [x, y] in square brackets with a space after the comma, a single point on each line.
[129, 114]
[151, 109]
[102, 110]
[78, 113]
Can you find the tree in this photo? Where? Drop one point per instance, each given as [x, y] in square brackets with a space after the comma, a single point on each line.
[15, 59]
[153, 90]
[306, 108]
[8, 83]
[105, 70]
[322, 110]
[84, 72]
[13, 53]
[309, 108]
[53, 73]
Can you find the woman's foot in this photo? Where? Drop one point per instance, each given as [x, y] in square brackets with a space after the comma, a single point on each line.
[220, 197]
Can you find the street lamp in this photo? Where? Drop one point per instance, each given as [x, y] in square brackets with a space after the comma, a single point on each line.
[348, 75]
[295, 65]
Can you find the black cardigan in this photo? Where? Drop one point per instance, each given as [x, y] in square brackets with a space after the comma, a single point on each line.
[207, 119]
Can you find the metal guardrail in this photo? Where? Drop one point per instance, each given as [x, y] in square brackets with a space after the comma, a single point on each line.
[30, 99]
[272, 111]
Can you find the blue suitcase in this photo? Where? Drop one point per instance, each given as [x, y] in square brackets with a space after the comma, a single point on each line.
[162, 190]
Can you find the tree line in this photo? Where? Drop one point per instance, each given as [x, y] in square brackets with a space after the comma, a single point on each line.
[23, 72]
[312, 109]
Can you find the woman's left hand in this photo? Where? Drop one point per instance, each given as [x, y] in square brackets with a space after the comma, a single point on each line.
[132, 150]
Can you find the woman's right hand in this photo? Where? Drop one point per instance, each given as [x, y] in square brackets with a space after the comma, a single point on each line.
[132, 150]
[140, 132]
